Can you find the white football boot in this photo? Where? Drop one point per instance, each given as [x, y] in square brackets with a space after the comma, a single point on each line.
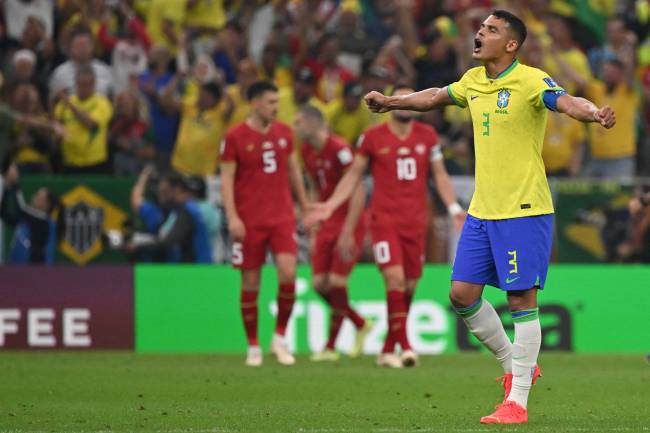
[254, 356]
[389, 360]
[409, 358]
[281, 351]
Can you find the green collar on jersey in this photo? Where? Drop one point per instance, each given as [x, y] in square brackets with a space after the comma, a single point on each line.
[508, 70]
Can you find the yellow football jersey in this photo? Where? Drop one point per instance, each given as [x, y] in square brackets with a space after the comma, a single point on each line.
[509, 119]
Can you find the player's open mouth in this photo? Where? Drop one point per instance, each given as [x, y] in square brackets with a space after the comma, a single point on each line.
[477, 45]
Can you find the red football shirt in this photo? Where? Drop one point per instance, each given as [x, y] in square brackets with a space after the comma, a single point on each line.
[400, 170]
[262, 188]
[326, 167]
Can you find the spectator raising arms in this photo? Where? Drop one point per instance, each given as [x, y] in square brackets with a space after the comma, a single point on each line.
[203, 124]
[613, 150]
[127, 139]
[188, 232]
[85, 118]
[35, 227]
[164, 123]
[81, 55]
[129, 50]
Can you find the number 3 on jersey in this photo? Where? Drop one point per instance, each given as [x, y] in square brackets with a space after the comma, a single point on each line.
[270, 164]
[406, 169]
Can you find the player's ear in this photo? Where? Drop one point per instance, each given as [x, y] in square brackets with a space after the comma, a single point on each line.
[512, 46]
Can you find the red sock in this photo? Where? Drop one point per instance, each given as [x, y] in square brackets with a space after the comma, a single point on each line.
[408, 300]
[341, 295]
[397, 318]
[336, 320]
[286, 298]
[389, 343]
[249, 315]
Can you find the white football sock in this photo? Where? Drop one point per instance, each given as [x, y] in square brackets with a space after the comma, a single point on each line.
[484, 322]
[525, 349]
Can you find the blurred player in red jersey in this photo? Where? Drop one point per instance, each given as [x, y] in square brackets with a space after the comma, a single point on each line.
[339, 239]
[258, 167]
[401, 152]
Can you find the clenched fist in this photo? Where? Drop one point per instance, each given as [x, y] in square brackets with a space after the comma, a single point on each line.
[376, 102]
[605, 116]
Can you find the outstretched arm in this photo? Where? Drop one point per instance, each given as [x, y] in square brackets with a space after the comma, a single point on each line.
[139, 189]
[586, 111]
[348, 183]
[423, 100]
[344, 189]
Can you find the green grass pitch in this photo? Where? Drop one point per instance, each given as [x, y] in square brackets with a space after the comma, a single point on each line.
[120, 392]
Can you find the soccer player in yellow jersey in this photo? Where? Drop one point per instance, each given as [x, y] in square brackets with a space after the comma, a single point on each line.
[506, 240]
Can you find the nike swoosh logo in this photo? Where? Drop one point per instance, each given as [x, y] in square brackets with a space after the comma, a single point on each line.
[473, 97]
[508, 280]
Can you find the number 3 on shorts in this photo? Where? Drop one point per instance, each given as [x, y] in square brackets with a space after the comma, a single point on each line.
[382, 252]
[237, 253]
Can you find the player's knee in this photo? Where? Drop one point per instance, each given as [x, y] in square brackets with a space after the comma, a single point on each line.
[250, 285]
[286, 274]
[522, 299]
[394, 282]
[459, 297]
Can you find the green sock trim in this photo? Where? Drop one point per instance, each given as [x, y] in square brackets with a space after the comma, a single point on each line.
[525, 315]
[471, 310]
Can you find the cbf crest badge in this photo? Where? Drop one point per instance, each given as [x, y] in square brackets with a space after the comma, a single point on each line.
[503, 98]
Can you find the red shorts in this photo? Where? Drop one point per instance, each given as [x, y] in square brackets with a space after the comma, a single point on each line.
[394, 247]
[326, 258]
[251, 252]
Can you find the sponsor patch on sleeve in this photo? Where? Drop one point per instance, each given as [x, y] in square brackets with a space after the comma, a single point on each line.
[550, 82]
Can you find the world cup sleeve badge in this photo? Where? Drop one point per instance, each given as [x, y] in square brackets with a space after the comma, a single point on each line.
[503, 98]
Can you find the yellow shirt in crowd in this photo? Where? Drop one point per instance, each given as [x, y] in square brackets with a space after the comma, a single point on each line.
[197, 146]
[575, 59]
[241, 107]
[157, 12]
[288, 107]
[281, 76]
[620, 141]
[563, 137]
[81, 146]
[207, 13]
[348, 124]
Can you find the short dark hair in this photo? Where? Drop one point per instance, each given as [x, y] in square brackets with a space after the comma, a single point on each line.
[213, 88]
[313, 113]
[81, 31]
[198, 187]
[177, 180]
[259, 88]
[517, 26]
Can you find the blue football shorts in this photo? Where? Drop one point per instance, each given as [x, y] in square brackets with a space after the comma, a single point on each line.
[511, 254]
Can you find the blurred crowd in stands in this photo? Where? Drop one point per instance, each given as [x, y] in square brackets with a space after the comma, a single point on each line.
[112, 86]
[105, 86]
